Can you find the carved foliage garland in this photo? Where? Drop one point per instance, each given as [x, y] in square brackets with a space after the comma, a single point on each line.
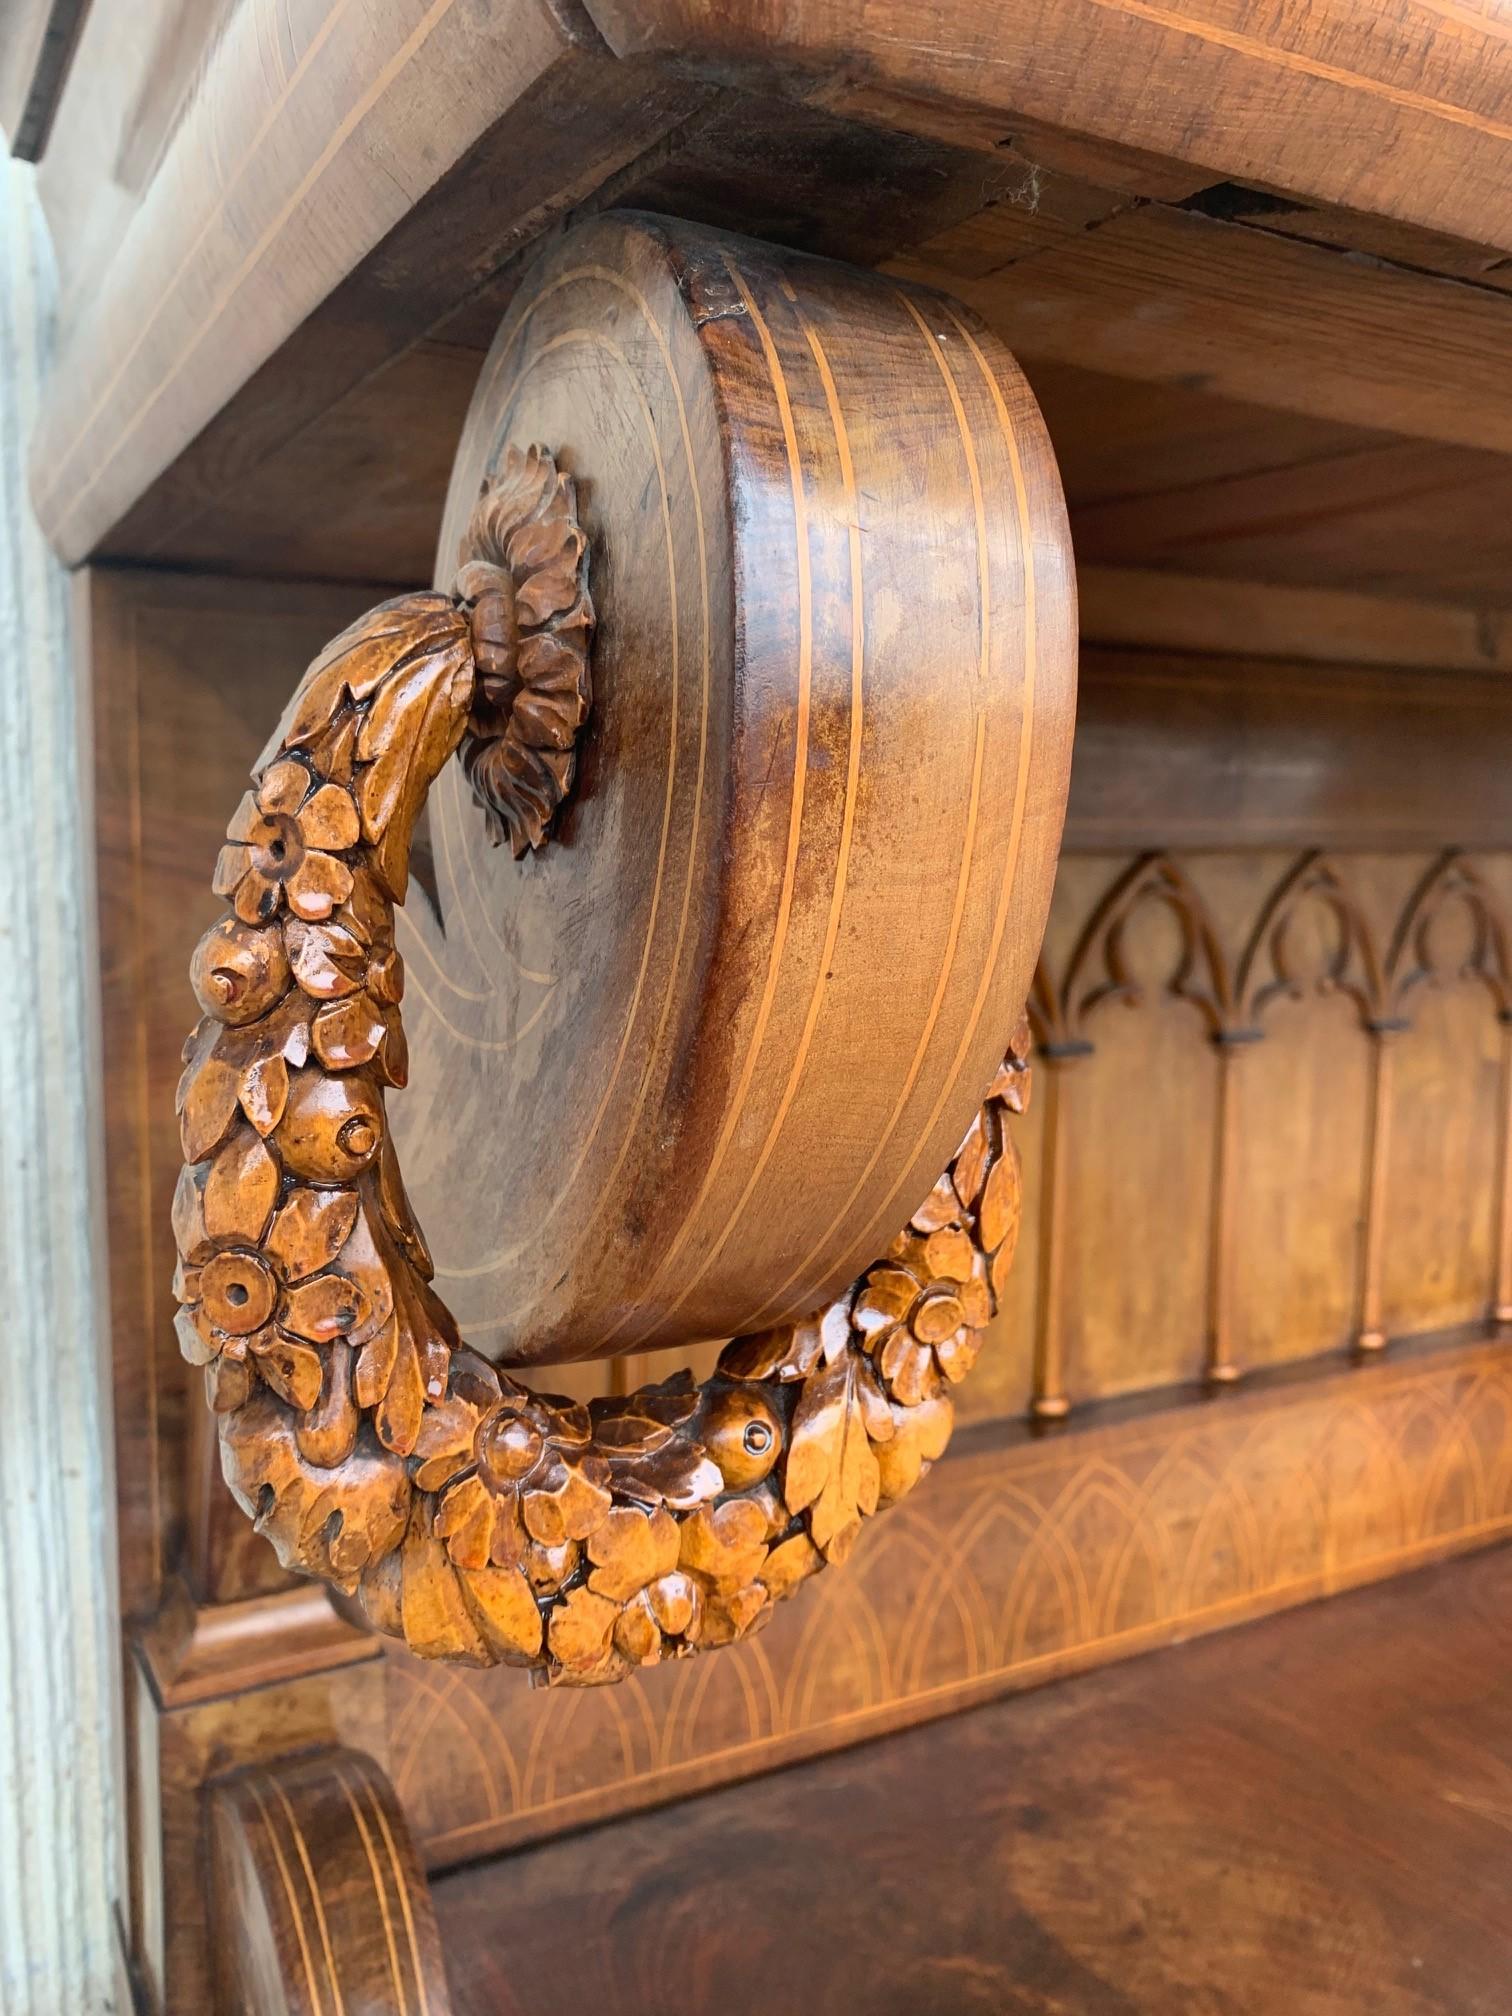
[475, 1519]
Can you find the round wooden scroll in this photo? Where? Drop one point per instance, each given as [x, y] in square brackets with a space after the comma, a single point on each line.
[681, 1073]
[784, 847]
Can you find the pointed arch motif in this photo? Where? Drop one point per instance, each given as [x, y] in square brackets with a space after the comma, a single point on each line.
[1268, 968]
[1453, 879]
[1099, 972]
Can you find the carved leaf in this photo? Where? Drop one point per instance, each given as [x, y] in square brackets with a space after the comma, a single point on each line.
[310, 1228]
[580, 1631]
[322, 1522]
[352, 664]
[240, 1190]
[831, 1466]
[505, 1612]
[415, 722]
[437, 1620]
[629, 1550]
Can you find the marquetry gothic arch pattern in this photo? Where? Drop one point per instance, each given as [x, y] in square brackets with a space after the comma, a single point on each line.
[1060, 1555]
[1326, 929]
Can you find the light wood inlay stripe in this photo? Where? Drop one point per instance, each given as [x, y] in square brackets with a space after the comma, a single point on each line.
[968, 844]
[380, 1891]
[401, 1886]
[301, 1849]
[1274, 56]
[296, 1914]
[778, 946]
[1025, 748]
[848, 812]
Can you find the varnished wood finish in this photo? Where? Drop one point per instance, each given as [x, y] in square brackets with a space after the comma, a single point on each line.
[1208, 617]
[471, 1518]
[265, 201]
[1259, 760]
[1232, 322]
[180, 669]
[320, 1903]
[1069, 1550]
[1308, 1814]
[1422, 101]
[818, 805]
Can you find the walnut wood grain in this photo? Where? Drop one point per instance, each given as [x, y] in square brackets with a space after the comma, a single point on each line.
[817, 811]
[1421, 101]
[1311, 1813]
[473, 1518]
[319, 1900]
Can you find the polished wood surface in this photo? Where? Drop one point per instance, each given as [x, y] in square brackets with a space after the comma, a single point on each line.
[1309, 1814]
[310, 220]
[1136, 608]
[475, 1520]
[818, 804]
[179, 668]
[1135, 1526]
[1245, 314]
[313, 435]
[320, 1903]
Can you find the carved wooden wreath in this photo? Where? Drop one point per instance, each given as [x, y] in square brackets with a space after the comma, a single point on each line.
[475, 1519]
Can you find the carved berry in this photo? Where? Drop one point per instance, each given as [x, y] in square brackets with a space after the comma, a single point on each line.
[239, 971]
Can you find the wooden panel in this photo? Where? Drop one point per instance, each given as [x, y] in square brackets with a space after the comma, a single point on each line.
[266, 200]
[187, 675]
[1192, 750]
[1140, 1137]
[1310, 1815]
[1169, 295]
[1401, 111]
[1189, 613]
[1068, 1552]
[1222, 1037]
[1302, 1098]
[1389, 517]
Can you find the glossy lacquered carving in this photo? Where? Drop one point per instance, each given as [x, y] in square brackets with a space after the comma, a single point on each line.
[476, 1519]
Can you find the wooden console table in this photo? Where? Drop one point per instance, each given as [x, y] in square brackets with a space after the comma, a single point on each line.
[678, 438]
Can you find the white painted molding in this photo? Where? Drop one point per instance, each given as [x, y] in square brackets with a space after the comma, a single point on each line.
[59, 1673]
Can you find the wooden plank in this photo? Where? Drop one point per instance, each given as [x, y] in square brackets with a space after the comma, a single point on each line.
[1174, 297]
[1387, 517]
[1399, 109]
[1280, 753]
[1192, 612]
[1066, 1553]
[267, 199]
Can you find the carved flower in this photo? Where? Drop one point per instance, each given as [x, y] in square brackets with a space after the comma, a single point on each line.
[922, 1312]
[282, 846]
[254, 1273]
[520, 1483]
[523, 581]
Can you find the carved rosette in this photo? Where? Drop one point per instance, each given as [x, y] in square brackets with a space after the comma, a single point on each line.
[475, 1519]
[524, 583]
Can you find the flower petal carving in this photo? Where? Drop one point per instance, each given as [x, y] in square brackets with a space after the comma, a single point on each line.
[477, 1519]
